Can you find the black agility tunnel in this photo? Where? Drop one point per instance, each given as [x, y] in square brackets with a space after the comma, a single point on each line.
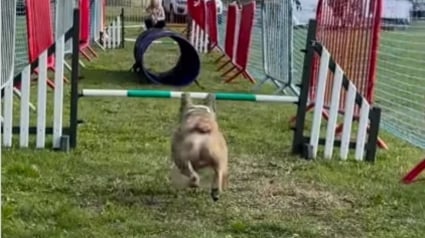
[187, 68]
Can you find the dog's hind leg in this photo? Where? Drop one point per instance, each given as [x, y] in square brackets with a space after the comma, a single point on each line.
[193, 176]
[186, 169]
[217, 184]
[225, 183]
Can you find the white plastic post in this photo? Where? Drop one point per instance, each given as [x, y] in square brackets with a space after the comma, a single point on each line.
[58, 93]
[41, 100]
[25, 106]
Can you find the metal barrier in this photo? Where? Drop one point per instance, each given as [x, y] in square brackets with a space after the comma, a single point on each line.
[277, 44]
[7, 39]
[277, 40]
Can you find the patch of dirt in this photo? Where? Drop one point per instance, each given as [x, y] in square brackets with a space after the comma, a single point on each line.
[304, 196]
[270, 189]
[275, 187]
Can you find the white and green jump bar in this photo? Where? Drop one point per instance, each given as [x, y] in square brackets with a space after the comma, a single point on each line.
[196, 95]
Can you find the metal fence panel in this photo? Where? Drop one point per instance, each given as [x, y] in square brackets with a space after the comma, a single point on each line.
[95, 19]
[271, 51]
[21, 40]
[63, 20]
[400, 87]
[301, 14]
[8, 18]
[277, 33]
[255, 63]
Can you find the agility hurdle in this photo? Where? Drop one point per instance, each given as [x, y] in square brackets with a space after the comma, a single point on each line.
[365, 143]
[353, 40]
[368, 128]
[197, 95]
[41, 130]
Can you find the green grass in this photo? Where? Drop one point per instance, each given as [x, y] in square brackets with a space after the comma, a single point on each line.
[116, 183]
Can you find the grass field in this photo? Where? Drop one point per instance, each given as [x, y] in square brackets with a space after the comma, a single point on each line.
[116, 183]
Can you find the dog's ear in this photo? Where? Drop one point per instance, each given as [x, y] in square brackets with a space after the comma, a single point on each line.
[185, 102]
[210, 101]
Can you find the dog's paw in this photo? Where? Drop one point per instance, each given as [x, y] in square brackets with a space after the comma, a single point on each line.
[215, 194]
[194, 182]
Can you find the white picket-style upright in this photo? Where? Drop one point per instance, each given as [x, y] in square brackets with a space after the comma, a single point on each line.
[1, 120]
[108, 37]
[118, 32]
[350, 101]
[1, 80]
[197, 40]
[192, 33]
[25, 106]
[8, 114]
[114, 34]
[320, 96]
[342, 88]
[58, 93]
[102, 18]
[333, 112]
[18, 94]
[42, 99]
[204, 41]
[362, 130]
[201, 40]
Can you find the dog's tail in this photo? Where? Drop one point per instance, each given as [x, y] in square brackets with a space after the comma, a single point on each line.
[204, 126]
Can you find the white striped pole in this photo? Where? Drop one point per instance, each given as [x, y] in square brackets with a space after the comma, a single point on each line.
[195, 95]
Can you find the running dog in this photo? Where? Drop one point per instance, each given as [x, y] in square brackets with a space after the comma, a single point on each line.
[198, 143]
